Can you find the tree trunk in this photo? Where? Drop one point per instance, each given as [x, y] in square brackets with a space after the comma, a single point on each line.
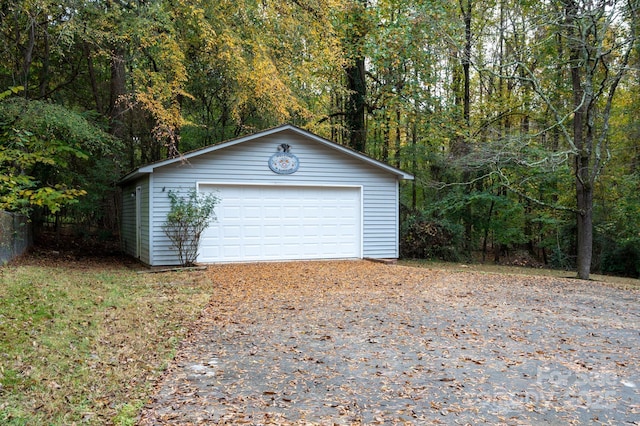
[464, 146]
[117, 90]
[354, 108]
[585, 228]
[414, 161]
[28, 55]
[45, 62]
[398, 141]
[466, 61]
[386, 138]
[486, 232]
[582, 97]
[355, 113]
[92, 77]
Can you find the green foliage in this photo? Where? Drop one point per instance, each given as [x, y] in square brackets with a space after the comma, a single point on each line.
[188, 217]
[499, 215]
[562, 245]
[43, 151]
[621, 258]
[169, 76]
[11, 91]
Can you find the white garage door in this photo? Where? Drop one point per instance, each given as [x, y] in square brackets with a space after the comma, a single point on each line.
[256, 222]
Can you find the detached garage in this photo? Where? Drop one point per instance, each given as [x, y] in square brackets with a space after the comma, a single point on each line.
[285, 194]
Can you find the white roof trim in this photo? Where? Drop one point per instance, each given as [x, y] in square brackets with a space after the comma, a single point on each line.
[149, 168]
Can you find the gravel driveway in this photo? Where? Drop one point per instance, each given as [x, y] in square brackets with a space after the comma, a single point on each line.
[365, 343]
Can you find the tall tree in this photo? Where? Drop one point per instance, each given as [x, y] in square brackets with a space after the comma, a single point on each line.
[356, 28]
[594, 45]
[600, 37]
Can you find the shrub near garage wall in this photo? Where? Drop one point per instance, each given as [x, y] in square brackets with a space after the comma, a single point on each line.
[15, 236]
[424, 237]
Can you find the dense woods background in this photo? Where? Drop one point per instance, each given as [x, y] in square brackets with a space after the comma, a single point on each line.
[519, 119]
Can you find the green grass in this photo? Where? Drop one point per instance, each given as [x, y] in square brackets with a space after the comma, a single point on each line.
[82, 344]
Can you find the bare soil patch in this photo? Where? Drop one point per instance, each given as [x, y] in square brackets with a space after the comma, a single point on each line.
[366, 343]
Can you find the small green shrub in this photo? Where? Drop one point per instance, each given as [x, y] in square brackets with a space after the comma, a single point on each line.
[188, 218]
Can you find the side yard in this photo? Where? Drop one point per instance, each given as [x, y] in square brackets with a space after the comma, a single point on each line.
[83, 341]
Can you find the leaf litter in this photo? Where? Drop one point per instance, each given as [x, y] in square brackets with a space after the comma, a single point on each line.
[357, 342]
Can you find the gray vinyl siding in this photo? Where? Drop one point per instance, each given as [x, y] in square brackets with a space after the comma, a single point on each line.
[128, 222]
[146, 252]
[319, 165]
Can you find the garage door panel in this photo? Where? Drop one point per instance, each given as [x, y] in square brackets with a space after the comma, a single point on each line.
[251, 231]
[232, 251]
[310, 210]
[271, 212]
[251, 212]
[252, 251]
[271, 231]
[289, 232]
[230, 232]
[330, 230]
[283, 223]
[310, 231]
[231, 211]
[291, 212]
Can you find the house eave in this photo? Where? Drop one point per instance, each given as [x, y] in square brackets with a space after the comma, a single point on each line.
[149, 168]
[134, 175]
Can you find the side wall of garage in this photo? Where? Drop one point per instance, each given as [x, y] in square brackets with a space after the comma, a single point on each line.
[134, 228]
[320, 165]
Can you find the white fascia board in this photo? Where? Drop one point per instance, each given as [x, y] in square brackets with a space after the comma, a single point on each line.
[149, 168]
[186, 156]
[348, 151]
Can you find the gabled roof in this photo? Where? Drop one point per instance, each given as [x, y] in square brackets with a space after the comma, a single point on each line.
[149, 168]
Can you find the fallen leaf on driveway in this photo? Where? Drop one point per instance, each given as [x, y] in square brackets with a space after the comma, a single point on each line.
[358, 342]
